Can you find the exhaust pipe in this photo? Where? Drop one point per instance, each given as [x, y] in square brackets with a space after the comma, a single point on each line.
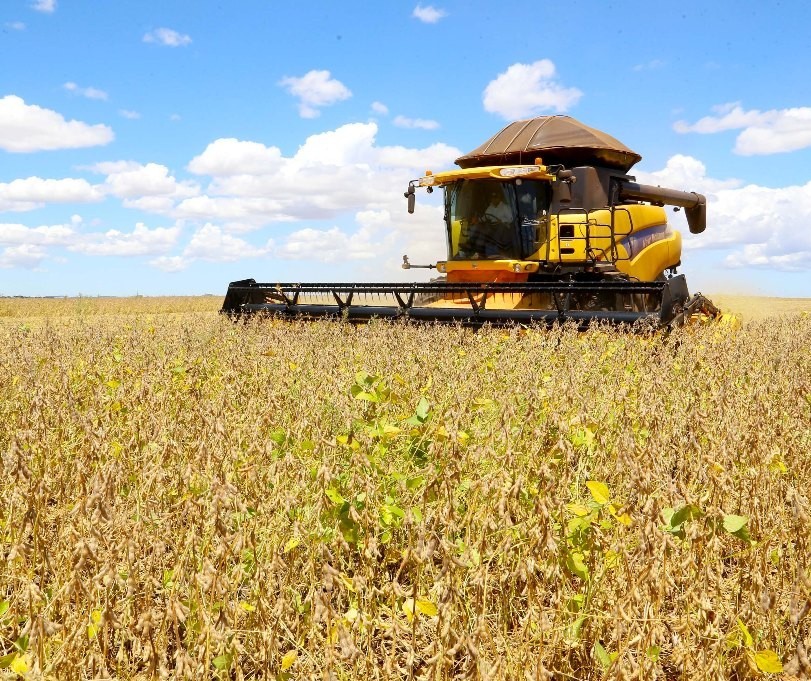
[694, 204]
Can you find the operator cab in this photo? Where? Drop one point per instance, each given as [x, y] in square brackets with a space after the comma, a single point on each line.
[496, 219]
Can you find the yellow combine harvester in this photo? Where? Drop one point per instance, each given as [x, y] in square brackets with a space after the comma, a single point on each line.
[543, 225]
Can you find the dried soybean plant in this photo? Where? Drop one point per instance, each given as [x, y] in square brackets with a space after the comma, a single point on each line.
[184, 497]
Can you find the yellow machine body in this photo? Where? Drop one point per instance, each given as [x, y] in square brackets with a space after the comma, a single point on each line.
[633, 238]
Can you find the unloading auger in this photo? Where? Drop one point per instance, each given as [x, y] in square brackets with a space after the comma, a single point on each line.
[543, 225]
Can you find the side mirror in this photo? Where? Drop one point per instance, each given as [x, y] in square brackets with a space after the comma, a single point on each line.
[412, 198]
[562, 191]
[563, 187]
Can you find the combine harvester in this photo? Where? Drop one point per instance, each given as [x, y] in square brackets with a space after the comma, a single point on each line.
[543, 225]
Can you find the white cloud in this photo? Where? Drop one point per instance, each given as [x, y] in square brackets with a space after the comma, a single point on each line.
[336, 172]
[212, 244]
[170, 263]
[525, 90]
[25, 256]
[436, 156]
[88, 92]
[45, 235]
[428, 14]
[760, 256]
[167, 37]
[380, 108]
[34, 192]
[421, 123]
[140, 241]
[15, 25]
[687, 174]
[314, 90]
[763, 132]
[175, 117]
[25, 247]
[128, 114]
[26, 128]
[44, 6]
[131, 180]
[757, 225]
[327, 245]
[229, 156]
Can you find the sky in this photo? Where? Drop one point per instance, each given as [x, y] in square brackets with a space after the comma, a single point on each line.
[171, 147]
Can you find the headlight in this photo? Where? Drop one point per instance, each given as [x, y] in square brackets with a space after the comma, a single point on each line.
[440, 267]
[427, 181]
[517, 267]
[518, 170]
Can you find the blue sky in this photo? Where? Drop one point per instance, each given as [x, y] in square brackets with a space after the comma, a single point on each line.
[171, 147]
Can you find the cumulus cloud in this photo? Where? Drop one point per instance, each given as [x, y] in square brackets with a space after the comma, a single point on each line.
[128, 114]
[25, 256]
[211, 243]
[34, 192]
[229, 156]
[44, 6]
[685, 173]
[757, 225]
[421, 123]
[27, 247]
[762, 132]
[170, 263]
[327, 245]
[27, 127]
[331, 174]
[131, 180]
[44, 235]
[428, 14]
[380, 108]
[315, 90]
[525, 90]
[88, 92]
[15, 25]
[140, 241]
[167, 37]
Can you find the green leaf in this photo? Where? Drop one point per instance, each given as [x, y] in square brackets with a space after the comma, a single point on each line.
[6, 660]
[223, 662]
[572, 633]
[736, 526]
[602, 656]
[685, 513]
[361, 394]
[414, 483]
[735, 523]
[334, 496]
[4, 606]
[279, 436]
[599, 492]
[575, 564]
[653, 652]
[423, 409]
[768, 661]
[21, 643]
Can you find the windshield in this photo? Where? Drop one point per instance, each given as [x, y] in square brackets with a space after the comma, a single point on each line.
[493, 219]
